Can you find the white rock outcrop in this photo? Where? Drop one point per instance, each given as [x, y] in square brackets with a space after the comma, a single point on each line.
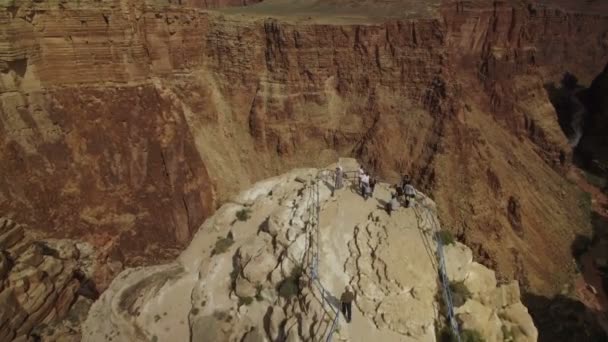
[249, 277]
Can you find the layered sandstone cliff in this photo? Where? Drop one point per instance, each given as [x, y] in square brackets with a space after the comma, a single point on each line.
[39, 281]
[129, 122]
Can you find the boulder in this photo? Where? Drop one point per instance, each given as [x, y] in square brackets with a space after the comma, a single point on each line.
[6, 224]
[51, 266]
[407, 315]
[291, 330]
[64, 249]
[244, 288]
[305, 323]
[475, 316]
[258, 268]
[480, 280]
[458, 260]
[291, 234]
[518, 315]
[11, 237]
[297, 249]
[506, 295]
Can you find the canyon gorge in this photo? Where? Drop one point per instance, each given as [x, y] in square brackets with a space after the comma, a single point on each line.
[124, 124]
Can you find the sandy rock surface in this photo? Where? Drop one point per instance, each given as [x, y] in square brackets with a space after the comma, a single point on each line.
[251, 276]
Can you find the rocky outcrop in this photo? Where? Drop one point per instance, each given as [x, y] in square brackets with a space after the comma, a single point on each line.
[261, 286]
[137, 118]
[39, 281]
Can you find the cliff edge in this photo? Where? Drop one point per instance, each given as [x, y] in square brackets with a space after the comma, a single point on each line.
[249, 274]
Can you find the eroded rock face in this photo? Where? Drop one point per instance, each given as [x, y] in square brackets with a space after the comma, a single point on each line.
[39, 282]
[261, 286]
[132, 120]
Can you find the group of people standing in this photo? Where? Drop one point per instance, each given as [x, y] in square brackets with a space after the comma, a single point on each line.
[367, 184]
[405, 191]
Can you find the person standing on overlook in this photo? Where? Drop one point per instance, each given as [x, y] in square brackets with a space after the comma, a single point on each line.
[372, 184]
[338, 179]
[365, 185]
[361, 174]
[410, 194]
[347, 298]
[392, 205]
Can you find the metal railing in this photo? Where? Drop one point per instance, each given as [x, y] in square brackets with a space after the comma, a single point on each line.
[329, 176]
[445, 283]
[314, 222]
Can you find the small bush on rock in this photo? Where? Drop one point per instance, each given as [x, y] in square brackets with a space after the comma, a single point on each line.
[460, 293]
[243, 214]
[291, 285]
[222, 316]
[245, 301]
[446, 237]
[447, 335]
[258, 292]
[222, 245]
[471, 336]
[288, 288]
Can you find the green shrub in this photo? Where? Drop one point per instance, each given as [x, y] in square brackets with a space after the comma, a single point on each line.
[288, 288]
[194, 311]
[446, 335]
[460, 293]
[222, 245]
[221, 315]
[245, 301]
[258, 292]
[297, 272]
[446, 237]
[471, 336]
[243, 214]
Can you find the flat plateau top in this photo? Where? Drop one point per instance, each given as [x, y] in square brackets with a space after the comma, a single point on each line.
[338, 11]
[341, 12]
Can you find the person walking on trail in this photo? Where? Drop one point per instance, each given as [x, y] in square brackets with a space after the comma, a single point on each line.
[372, 184]
[361, 174]
[347, 298]
[368, 191]
[399, 190]
[364, 185]
[405, 180]
[410, 194]
[392, 205]
[338, 178]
